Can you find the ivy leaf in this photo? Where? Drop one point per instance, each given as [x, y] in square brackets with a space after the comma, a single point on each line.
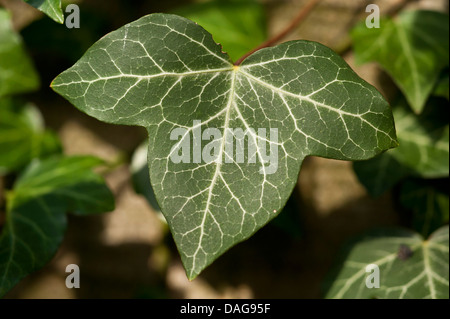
[17, 74]
[409, 266]
[238, 25]
[424, 140]
[381, 173]
[428, 201]
[442, 87]
[35, 217]
[22, 136]
[413, 49]
[423, 150]
[165, 72]
[139, 175]
[52, 8]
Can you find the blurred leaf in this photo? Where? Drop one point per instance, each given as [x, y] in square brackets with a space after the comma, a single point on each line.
[165, 72]
[410, 267]
[71, 178]
[428, 200]
[17, 74]
[442, 88]
[413, 49]
[381, 173]
[35, 217]
[22, 136]
[238, 25]
[52, 8]
[140, 176]
[423, 150]
[424, 140]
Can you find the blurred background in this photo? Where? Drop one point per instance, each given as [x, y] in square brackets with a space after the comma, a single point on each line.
[129, 253]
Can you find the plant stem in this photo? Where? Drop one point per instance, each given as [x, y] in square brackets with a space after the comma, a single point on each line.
[288, 29]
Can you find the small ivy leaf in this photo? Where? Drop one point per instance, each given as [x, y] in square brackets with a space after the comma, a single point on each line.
[380, 174]
[52, 8]
[423, 150]
[428, 200]
[442, 87]
[17, 73]
[22, 136]
[36, 212]
[139, 175]
[413, 49]
[409, 266]
[165, 72]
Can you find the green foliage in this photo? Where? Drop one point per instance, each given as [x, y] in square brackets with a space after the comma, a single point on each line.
[423, 150]
[17, 74]
[307, 92]
[413, 49]
[52, 8]
[22, 136]
[428, 201]
[410, 267]
[36, 212]
[238, 25]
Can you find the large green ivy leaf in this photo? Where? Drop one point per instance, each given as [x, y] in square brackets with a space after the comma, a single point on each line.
[238, 25]
[22, 136]
[409, 266]
[17, 74]
[52, 8]
[166, 73]
[423, 150]
[35, 217]
[413, 49]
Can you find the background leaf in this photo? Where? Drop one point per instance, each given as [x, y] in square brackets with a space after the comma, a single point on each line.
[421, 273]
[238, 25]
[164, 72]
[428, 201]
[413, 49]
[35, 217]
[423, 150]
[22, 136]
[17, 74]
[52, 8]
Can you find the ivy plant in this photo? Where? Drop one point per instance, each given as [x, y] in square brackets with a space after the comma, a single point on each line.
[414, 50]
[46, 184]
[165, 72]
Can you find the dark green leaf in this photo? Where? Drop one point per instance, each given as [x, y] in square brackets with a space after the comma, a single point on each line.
[140, 177]
[165, 72]
[381, 173]
[17, 74]
[442, 87]
[410, 267]
[428, 200]
[413, 48]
